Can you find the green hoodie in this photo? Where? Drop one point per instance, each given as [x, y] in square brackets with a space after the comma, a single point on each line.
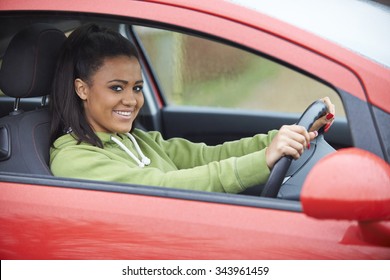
[230, 167]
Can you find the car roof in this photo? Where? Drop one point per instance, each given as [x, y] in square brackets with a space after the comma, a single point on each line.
[359, 25]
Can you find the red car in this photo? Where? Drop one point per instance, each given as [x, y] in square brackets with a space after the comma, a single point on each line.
[214, 71]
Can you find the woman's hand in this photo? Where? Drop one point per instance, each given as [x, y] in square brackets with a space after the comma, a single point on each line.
[326, 120]
[291, 140]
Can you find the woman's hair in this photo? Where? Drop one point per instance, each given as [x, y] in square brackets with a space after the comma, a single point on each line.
[82, 54]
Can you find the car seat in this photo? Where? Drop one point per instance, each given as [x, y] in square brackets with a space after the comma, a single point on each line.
[27, 71]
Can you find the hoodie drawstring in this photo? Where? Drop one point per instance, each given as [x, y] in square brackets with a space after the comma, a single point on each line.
[144, 160]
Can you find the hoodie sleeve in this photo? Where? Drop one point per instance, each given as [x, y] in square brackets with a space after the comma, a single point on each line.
[231, 175]
[231, 167]
[186, 154]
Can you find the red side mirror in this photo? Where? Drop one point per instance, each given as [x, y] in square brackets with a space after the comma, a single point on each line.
[351, 184]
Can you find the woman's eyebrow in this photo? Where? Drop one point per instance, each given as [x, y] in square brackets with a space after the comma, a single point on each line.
[125, 82]
[118, 80]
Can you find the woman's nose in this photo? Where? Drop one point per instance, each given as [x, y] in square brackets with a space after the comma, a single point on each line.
[129, 98]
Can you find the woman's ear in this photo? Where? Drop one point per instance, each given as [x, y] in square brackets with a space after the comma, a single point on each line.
[81, 89]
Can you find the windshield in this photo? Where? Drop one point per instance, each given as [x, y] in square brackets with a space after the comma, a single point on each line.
[362, 26]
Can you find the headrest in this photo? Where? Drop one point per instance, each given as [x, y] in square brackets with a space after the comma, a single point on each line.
[29, 61]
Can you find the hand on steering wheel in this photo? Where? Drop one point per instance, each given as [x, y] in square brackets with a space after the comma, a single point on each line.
[324, 122]
[291, 141]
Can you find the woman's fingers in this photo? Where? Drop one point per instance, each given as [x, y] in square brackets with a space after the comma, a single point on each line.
[291, 140]
[298, 139]
[327, 120]
[330, 105]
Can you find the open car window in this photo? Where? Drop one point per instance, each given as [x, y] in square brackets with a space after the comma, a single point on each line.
[195, 71]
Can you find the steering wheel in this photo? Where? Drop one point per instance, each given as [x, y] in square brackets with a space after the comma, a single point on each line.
[278, 172]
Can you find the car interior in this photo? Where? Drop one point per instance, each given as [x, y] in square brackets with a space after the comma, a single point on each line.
[26, 138]
[28, 63]
[28, 51]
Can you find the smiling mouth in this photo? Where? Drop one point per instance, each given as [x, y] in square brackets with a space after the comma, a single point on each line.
[123, 113]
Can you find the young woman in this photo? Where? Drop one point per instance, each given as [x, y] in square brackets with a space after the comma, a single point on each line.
[97, 95]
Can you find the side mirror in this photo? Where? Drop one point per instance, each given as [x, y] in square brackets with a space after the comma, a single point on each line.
[351, 184]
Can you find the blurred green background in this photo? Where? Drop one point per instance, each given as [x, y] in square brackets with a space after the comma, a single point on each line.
[199, 72]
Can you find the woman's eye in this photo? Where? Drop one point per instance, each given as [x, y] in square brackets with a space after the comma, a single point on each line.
[137, 89]
[117, 88]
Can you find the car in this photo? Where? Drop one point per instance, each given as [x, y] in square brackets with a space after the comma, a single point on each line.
[214, 71]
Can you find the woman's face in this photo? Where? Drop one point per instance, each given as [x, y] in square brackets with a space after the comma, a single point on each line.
[113, 97]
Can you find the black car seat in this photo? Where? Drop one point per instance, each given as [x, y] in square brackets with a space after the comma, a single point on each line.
[27, 71]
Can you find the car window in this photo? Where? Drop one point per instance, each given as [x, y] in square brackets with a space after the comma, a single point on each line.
[195, 71]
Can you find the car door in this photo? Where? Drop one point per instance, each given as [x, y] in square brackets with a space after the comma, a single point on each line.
[203, 75]
[61, 219]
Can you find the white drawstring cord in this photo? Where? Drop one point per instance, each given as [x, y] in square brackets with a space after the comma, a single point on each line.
[144, 160]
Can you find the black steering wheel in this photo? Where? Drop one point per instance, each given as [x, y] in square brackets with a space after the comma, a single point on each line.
[271, 189]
